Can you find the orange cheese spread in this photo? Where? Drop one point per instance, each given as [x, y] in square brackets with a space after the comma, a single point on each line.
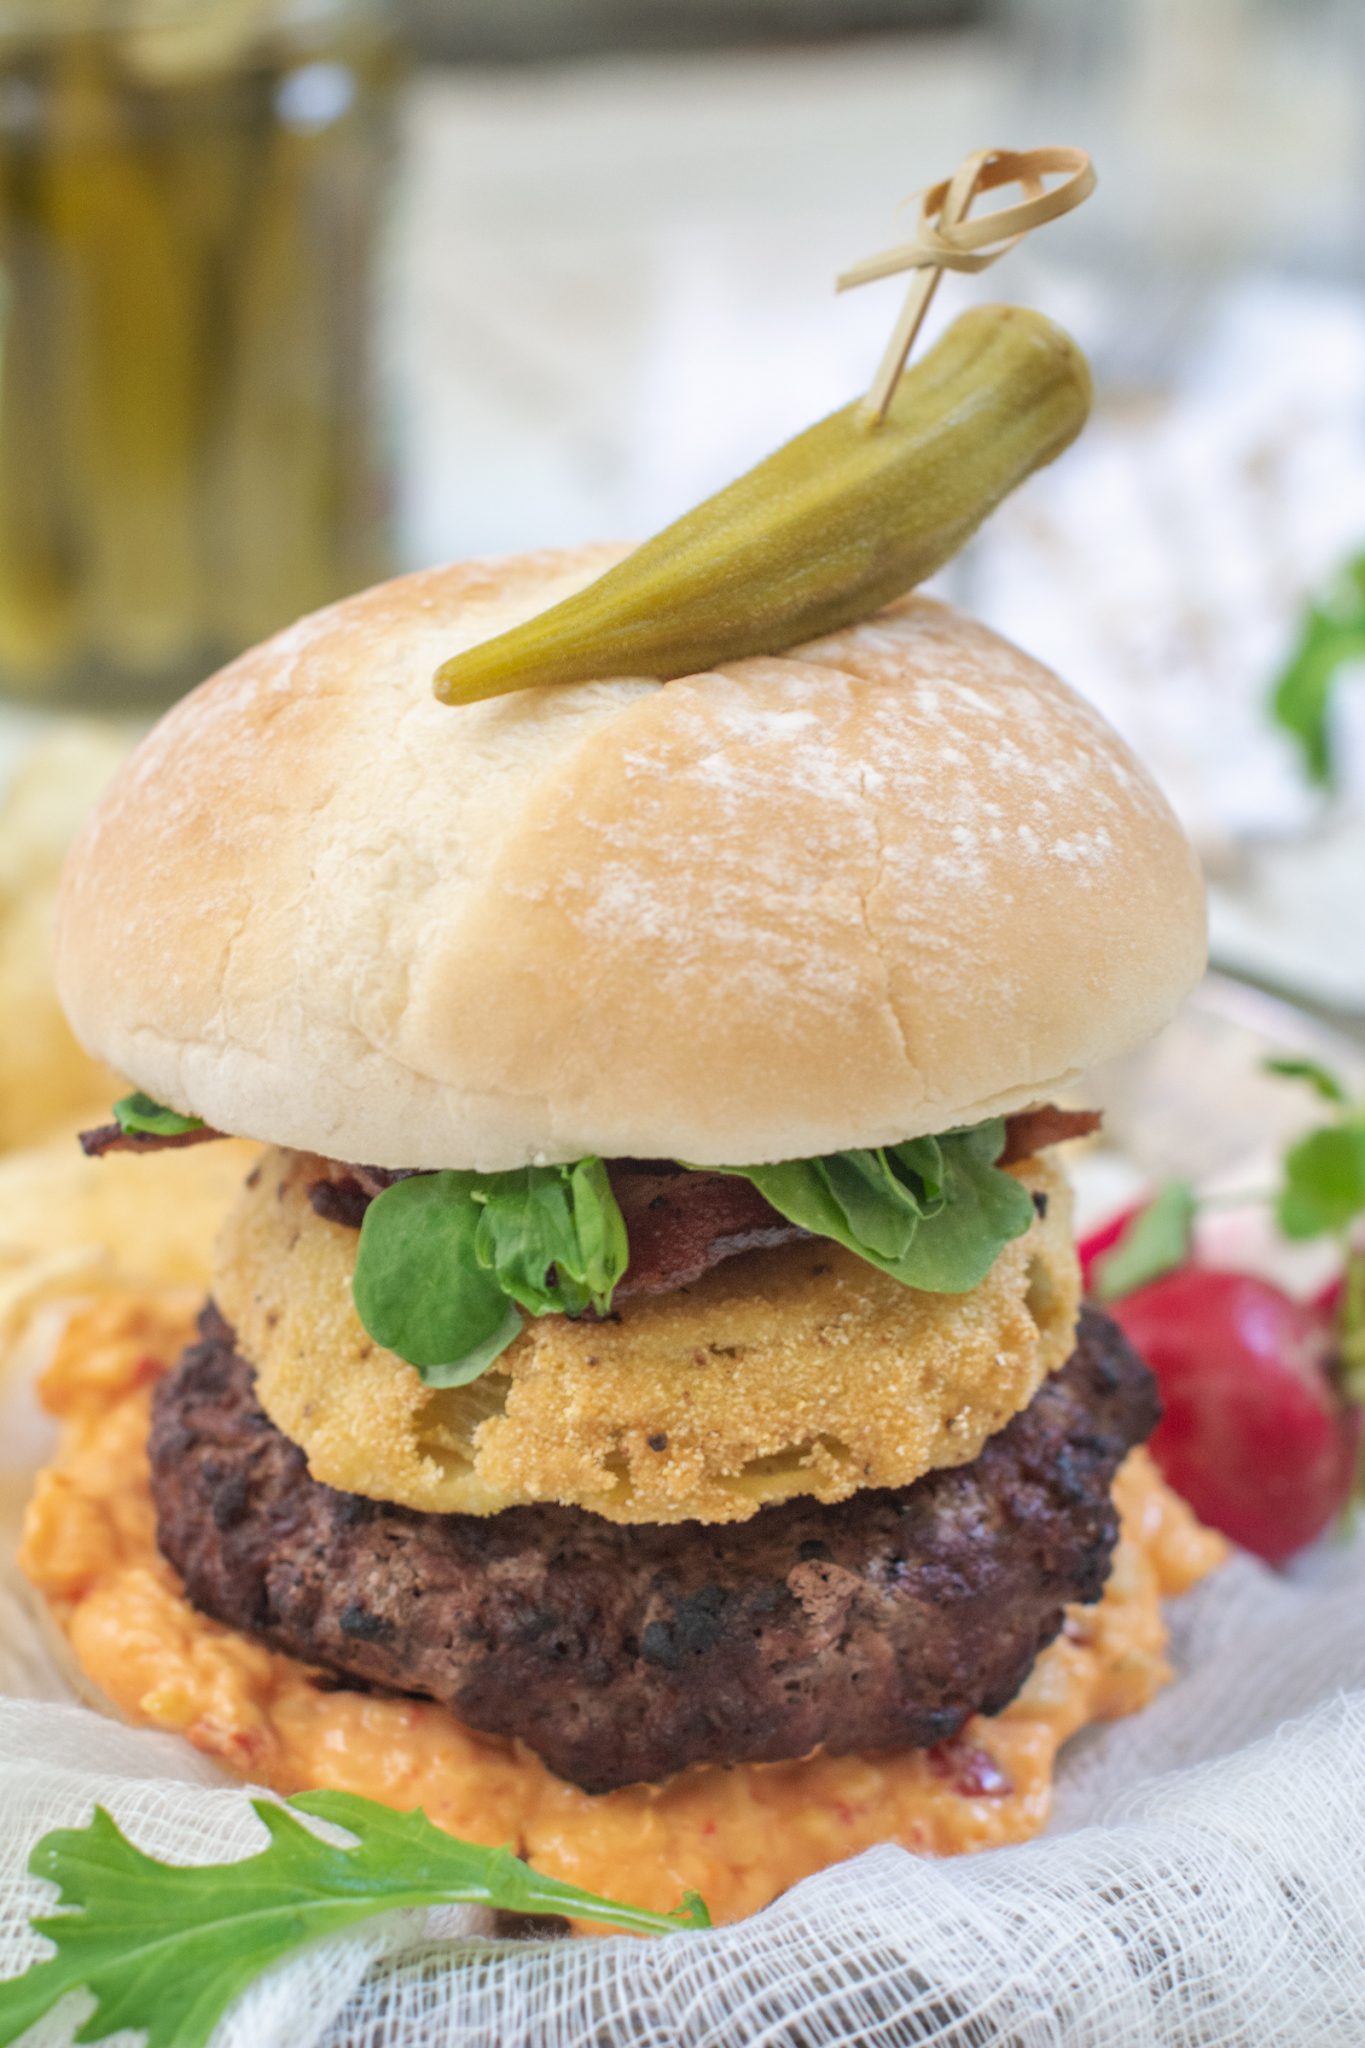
[738, 1836]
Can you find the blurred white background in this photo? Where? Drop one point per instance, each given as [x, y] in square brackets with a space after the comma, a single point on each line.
[611, 289]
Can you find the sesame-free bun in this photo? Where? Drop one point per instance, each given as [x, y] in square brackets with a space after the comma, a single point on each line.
[890, 882]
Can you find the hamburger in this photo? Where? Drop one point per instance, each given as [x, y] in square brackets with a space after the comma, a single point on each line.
[643, 1408]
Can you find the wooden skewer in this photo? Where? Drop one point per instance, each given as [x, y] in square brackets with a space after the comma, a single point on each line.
[945, 239]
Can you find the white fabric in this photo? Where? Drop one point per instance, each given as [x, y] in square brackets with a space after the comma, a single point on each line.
[1203, 1885]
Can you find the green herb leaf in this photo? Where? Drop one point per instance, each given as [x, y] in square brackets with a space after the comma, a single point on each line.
[554, 1236]
[1318, 1077]
[1324, 1182]
[1159, 1238]
[164, 1949]
[137, 1116]
[419, 1286]
[1333, 638]
[445, 1257]
[934, 1212]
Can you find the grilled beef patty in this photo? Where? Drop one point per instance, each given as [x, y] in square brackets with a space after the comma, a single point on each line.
[622, 1653]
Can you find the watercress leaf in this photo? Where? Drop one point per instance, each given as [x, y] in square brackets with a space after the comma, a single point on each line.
[137, 1116]
[983, 1209]
[919, 1161]
[935, 1212]
[1318, 1077]
[526, 1240]
[419, 1287]
[164, 1950]
[553, 1236]
[1324, 1182]
[1332, 640]
[1159, 1238]
[851, 1197]
[601, 1231]
[880, 1212]
[799, 1190]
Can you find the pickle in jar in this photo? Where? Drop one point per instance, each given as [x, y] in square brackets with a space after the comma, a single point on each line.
[187, 447]
[37, 563]
[126, 370]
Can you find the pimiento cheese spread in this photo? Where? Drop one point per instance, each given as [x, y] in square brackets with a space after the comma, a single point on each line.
[739, 1836]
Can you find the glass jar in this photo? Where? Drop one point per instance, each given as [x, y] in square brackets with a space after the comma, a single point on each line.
[190, 192]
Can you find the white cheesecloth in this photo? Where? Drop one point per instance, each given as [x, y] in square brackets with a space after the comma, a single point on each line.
[1202, 1886]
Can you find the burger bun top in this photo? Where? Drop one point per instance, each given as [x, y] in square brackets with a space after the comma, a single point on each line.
[891, 882]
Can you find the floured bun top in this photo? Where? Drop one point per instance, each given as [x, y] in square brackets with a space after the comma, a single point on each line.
[891, 882]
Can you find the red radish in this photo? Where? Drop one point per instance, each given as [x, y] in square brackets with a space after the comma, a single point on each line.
[1328, 1299]
[1255, 1434]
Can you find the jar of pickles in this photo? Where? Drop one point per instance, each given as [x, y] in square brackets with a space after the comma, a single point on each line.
[190, 194]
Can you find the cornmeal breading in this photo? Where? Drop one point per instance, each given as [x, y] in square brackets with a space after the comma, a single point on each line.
[797, 1371]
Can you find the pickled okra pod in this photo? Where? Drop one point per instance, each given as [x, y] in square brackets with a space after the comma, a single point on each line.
[826, 531]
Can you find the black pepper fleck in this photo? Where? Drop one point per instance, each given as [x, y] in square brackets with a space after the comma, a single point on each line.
[357, 1621]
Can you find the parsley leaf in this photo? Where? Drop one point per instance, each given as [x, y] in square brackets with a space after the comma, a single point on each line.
[1333, 639]
[164, 1949]
[137, 1116]
[1159, 1238]
[933, 1212]
[445, 1259]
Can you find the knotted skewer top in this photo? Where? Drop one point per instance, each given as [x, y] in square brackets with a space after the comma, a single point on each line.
[945, 239]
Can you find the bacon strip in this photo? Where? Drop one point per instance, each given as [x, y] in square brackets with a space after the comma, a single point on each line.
[113, 1138]
[681, 1224]
[1033, 1130]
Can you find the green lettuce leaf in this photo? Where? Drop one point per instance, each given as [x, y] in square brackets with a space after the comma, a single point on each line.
[934, 1212]
[137, 1116]
[163, 1950]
